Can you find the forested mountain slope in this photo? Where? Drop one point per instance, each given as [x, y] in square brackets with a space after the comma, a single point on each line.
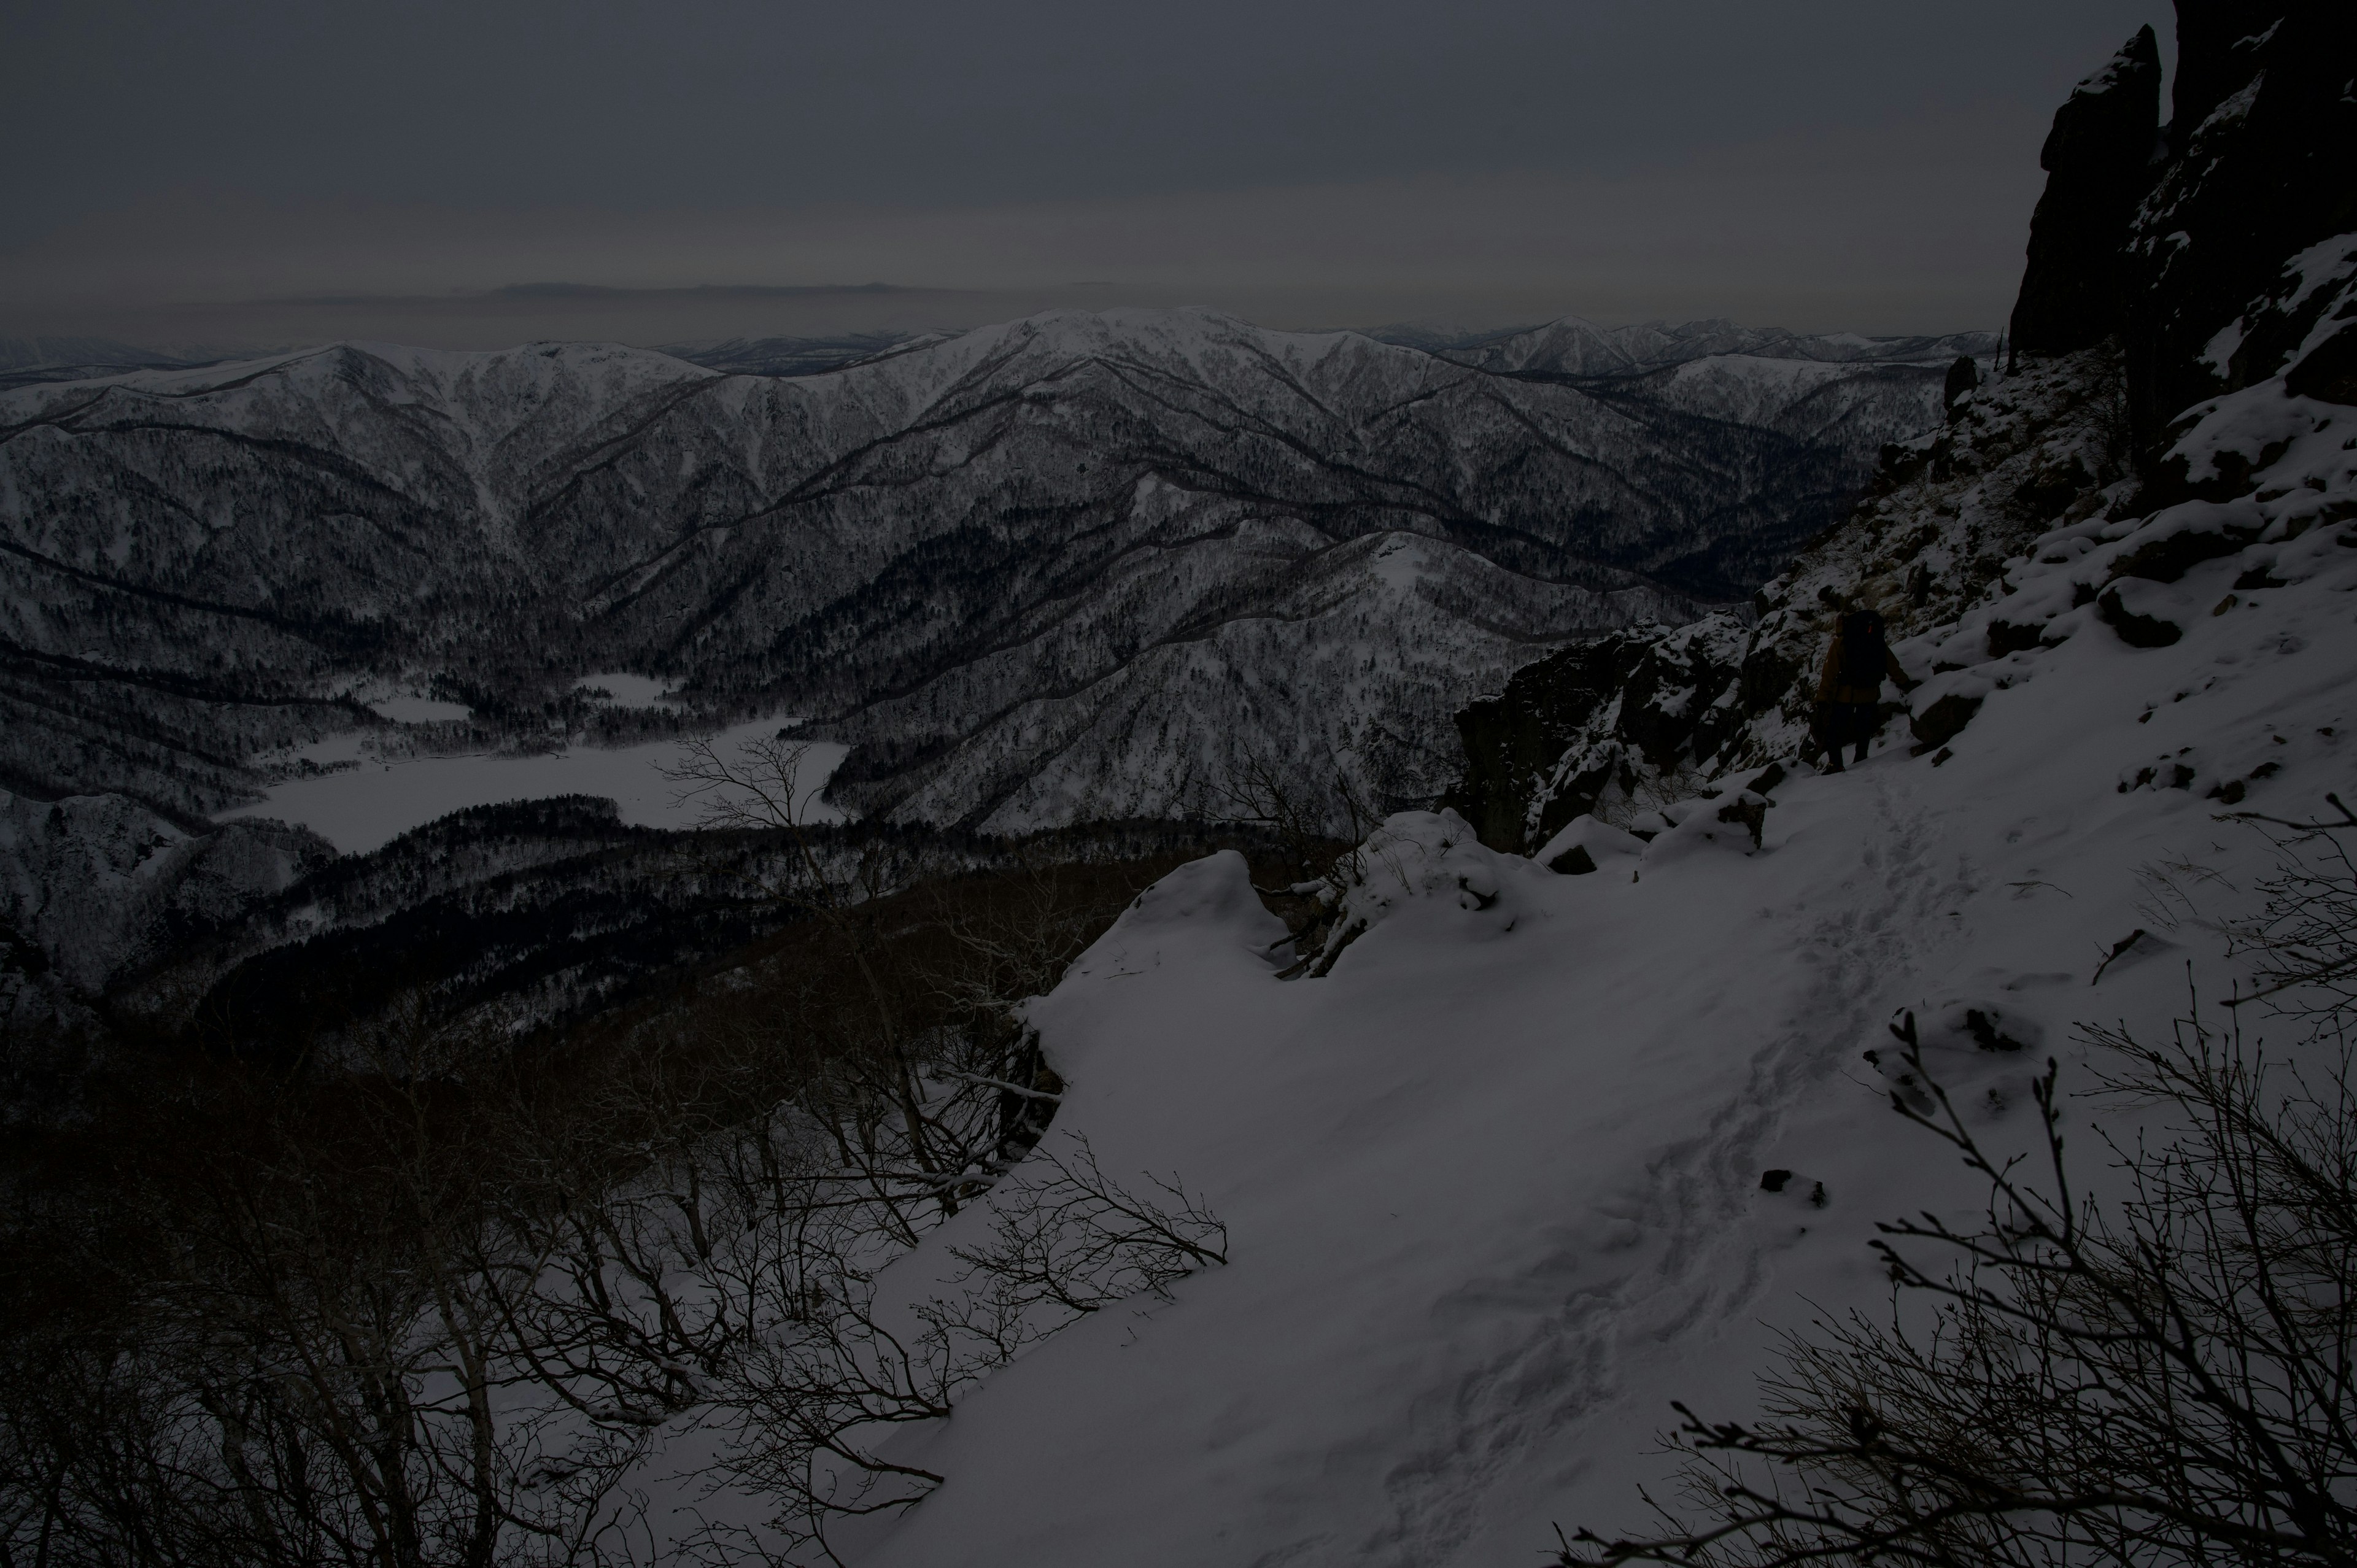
[994, 562]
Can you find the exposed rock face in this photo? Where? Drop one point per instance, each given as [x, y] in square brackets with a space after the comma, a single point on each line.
[1604, 728]
[2262, 128]
[1513, 740]
[2178, 239]
[2099, 160]
[2329, 371]
[1963, 377]
[1651, 715]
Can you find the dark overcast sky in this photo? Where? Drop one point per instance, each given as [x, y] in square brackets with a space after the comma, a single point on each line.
[1864, 163]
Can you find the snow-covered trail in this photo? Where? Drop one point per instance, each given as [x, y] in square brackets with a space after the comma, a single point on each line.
[1493, 1186]
[1493, 1197]
[1681, 1209]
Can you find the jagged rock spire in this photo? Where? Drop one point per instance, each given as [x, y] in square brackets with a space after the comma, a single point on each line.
[2099, 160]
[2178, 239]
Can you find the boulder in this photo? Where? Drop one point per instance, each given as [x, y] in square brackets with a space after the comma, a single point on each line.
[2137, 629]
[2183, 536]
[1964, 378]
[1585, 845]
[1943, 718]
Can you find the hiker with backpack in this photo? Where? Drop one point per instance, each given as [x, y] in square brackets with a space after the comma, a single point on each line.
[1849, 690]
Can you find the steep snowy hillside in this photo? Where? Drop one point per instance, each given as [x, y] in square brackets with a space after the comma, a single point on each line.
[1540, 1145]
[1493, 1186]
[923, 552]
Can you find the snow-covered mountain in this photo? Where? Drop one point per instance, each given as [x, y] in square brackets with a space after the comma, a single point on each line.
[1067, 566]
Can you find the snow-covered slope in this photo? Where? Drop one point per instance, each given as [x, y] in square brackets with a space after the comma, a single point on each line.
[99, 884]
[1541, 1153]
[926, 551]
[1493, 1187]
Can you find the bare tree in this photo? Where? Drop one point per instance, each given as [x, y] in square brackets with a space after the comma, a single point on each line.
[2165, 1379]
[816, 1399]
[434, 1296]
[1302, 808]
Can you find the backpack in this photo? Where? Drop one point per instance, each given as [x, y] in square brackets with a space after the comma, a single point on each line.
[1863, 655]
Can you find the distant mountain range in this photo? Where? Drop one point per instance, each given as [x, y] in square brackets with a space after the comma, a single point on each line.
[1570, 346]
[1069, 567]
[28, 361]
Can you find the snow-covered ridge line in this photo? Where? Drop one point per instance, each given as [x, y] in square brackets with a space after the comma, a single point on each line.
[966, 559]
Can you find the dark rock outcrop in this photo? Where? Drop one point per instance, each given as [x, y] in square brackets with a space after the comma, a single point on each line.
[2135, 629]
[2099, 160]
[1513, 740]
[1596, 721]
[2328, 371]
[1963, 376]
[2193, 242]
[1943, 720]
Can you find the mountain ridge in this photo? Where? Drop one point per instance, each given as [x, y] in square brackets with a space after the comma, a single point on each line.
[486, 522]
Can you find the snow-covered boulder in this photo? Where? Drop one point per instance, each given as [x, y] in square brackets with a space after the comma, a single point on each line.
[1586, 844]
[1429, 864]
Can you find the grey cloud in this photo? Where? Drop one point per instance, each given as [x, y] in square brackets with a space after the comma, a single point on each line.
[1839, 163]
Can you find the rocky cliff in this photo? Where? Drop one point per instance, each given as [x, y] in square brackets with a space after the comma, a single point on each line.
[2101, 158]
[2249, 218]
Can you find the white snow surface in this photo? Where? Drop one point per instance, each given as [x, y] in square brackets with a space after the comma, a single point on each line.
[368, 804]
[1493, 1187]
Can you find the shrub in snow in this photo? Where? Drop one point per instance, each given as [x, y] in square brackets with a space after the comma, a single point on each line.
[2158, 1379]
[815, 1400]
